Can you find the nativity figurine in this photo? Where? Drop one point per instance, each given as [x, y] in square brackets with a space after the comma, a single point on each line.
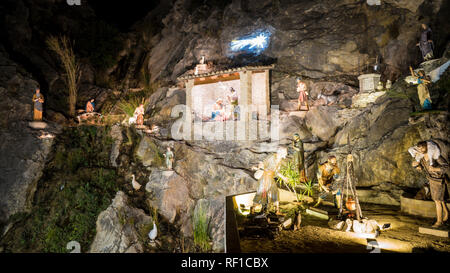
[302, 94]
[435, 167]
[38, 101]
[267, 193]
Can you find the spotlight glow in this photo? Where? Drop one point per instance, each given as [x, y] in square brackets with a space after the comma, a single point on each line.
[255, 43]
[246, 200]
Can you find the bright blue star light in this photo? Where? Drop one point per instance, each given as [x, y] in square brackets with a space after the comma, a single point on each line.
[254, 43]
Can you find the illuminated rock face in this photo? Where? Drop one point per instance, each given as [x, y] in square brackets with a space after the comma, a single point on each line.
[203, 179]
[118, 228]
[171, 196]
[322, 122]
[309, 38]
[373, 2]
[364, 99]
[330, 45]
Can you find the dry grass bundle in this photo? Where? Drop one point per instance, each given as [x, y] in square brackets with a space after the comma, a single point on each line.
[62, 47]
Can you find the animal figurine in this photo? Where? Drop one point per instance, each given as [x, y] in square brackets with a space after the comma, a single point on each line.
[132, 120]
[135, 184]
[380, 86]
[329, 99]
[411, 80]
[388, 84]
[153, 233]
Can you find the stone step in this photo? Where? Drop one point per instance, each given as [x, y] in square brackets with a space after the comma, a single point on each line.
[37, 125]
[317, 214]
[434, 231]
[300, 114]
[319, 211]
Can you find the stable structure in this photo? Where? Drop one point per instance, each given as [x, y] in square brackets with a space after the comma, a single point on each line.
[252, 84]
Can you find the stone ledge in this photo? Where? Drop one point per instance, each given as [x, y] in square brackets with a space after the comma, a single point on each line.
[434, 231]
[37, 125]
[422, 208]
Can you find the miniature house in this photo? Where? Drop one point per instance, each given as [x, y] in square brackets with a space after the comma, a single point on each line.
[368, 82]
[250, 82]
[368, 90]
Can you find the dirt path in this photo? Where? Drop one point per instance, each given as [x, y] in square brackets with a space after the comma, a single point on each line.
[316, 237]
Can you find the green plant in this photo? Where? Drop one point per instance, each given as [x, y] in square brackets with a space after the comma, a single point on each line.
[63, 214]
[155, 216]
[149, 86]
[201, 232]
[423, 112]
[62, 47]
[158, 159]
[393, 93]
[129, 106]
[308, 188]
[291, 173]
[143, 231]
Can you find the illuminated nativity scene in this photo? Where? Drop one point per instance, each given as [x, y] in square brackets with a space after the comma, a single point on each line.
[237, 127]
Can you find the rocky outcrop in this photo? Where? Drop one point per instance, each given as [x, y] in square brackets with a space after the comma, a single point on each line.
[170, 194]
[148, 153]
[320, 40]
[329, 43]
[116, 135]
[203, 172]
[322, 121]
[23, 152]
[379, 140]
[121, 228]
[22, 159]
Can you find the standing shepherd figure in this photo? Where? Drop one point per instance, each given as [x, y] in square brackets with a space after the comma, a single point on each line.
[169, 158]
[90, 106]
[435, 167]
[302, 94]
[299, 157]
[233, 100]
[267, 192]
[139, 114]
[38, 100]
[426, 44]
[422, 89]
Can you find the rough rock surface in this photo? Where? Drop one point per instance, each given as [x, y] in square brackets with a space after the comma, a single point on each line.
[22, 159]
[116, 134]
[170, 194]
[120, 228]
[380, 138]
[22, 153]
[328, 42]
[320, 39]
[203, 172]
[322, 122]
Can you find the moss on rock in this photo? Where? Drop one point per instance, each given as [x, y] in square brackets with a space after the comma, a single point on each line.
[76, 186]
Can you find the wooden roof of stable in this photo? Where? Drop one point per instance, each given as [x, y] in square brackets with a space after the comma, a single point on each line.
[226, 71]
